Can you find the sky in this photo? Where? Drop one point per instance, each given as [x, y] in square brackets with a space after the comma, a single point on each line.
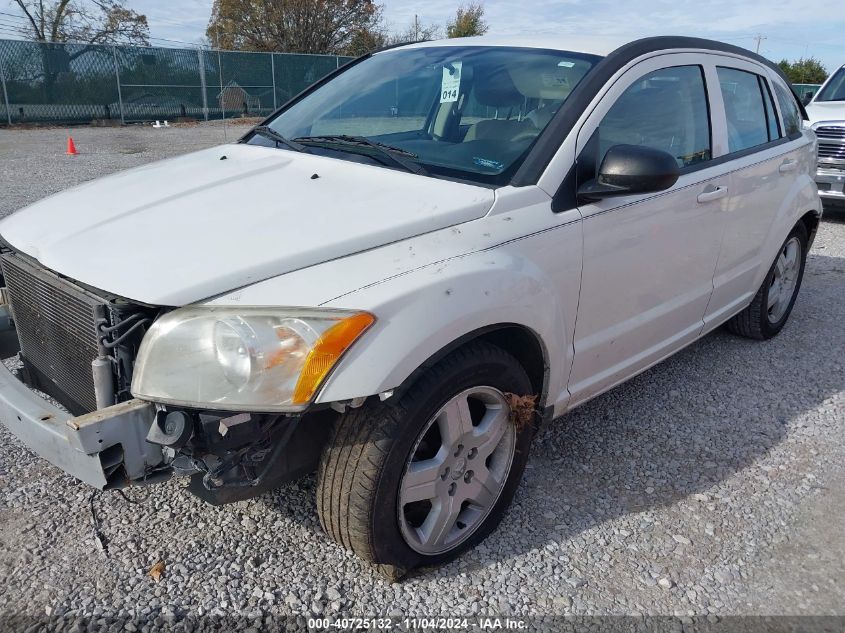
[792, 28]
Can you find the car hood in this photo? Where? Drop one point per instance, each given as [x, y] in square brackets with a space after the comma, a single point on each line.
[188, 228]
[826, 111]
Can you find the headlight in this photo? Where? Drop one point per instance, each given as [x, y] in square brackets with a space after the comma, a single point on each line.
[243, 359]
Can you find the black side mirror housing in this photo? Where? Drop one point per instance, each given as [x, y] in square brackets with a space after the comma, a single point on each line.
[631, 169]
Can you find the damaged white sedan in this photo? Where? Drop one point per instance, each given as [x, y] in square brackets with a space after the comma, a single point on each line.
[403, 271]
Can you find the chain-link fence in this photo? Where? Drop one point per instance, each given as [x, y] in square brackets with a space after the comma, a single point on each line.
[79, 83]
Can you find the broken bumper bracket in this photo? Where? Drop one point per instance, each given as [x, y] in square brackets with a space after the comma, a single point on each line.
[105, 449]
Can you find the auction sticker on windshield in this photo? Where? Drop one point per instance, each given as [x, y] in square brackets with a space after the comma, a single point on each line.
[451, 86]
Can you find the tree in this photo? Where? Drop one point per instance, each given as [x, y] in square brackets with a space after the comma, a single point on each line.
[365, 41]
[468, 21]
[416, 32]
[804, 70]
[291, 26]
[88, 21]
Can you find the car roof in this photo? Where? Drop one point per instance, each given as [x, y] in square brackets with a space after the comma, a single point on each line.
[599, 45]
[593, 45]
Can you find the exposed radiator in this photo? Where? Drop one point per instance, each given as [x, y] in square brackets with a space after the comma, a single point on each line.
[56, 326]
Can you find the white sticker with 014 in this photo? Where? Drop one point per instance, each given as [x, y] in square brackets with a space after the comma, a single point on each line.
[451, 85]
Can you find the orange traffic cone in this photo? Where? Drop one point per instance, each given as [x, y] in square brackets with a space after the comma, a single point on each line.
[71, 148]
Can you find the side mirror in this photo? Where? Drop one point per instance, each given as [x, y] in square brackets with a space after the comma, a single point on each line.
[631, 169]
[808, 96]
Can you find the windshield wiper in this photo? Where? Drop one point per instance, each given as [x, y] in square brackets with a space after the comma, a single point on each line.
[396, 155]
[273, 135]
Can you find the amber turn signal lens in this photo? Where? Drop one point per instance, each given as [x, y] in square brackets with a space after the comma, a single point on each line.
[327, 351]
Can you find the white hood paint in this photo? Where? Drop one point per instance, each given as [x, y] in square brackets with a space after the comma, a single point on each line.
[188, 228]
[826, 111]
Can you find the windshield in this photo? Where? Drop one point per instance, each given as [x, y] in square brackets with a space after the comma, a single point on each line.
[834, 90]
[469, 113]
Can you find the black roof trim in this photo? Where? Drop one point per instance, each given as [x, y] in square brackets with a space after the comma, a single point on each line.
[562, 123]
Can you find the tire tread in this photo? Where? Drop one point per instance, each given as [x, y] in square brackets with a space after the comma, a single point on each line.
[749, 323]
[351, 464]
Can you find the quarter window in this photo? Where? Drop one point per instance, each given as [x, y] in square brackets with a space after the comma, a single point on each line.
[665, 110]
[789, 110]
[746, 104]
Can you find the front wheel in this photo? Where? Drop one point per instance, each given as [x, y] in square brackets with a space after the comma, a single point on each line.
[771, 306]
[418, 481]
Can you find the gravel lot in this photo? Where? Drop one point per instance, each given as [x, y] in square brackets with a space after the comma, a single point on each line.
[712, 484]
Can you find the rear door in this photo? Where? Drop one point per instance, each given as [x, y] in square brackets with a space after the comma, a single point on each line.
[762, 158]
[648, 259]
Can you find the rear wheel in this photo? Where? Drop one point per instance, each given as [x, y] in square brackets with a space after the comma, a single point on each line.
[772, 305]
[420, 480]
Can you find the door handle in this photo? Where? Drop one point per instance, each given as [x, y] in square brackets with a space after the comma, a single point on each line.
[787, 166]
[712, 194]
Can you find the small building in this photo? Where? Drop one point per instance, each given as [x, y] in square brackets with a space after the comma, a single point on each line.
[234, 97]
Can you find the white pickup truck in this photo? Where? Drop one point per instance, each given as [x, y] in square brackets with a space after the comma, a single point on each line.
[827, 117]
[405, 269]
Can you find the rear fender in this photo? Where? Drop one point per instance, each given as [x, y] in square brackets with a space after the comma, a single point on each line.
[802, 197]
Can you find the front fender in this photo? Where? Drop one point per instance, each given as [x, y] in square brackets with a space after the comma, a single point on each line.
[423, 312]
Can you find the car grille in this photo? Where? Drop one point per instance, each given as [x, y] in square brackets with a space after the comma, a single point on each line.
[829, 150]
[832, 132]
[56, 324]
[831, 142]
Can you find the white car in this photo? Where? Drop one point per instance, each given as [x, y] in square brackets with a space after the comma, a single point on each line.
[826, 112]
[404, 271]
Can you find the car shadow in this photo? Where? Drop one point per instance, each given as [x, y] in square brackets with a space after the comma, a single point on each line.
[683, 427]
[835, 214]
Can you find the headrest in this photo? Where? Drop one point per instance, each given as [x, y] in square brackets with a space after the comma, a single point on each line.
[494, 87]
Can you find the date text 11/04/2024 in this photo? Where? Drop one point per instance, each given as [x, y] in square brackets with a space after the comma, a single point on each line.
[415, 624]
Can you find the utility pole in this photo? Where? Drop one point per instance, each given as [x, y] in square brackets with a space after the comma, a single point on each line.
[5, 95]
[222, 97]
[759, 39]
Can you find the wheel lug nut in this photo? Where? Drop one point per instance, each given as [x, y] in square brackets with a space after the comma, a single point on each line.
[453, 487]
[459, 450]
[472, 453]
[468, 476]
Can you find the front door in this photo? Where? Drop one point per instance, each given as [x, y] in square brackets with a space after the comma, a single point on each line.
[648, 259]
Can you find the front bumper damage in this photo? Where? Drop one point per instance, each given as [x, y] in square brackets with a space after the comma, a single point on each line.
[229, 457]
[105, 449]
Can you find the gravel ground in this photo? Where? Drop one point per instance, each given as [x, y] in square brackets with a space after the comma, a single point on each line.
[711, 484]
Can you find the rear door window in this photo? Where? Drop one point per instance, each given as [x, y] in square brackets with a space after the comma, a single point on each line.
[789, 110]
[771, 117]
[748, 109]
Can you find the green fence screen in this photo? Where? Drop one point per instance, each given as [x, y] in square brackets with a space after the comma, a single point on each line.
[77, 83]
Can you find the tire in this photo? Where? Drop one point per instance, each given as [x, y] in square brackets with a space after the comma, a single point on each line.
[762, 320]
[363, 467]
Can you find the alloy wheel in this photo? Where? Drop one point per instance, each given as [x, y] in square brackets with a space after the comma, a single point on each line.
[782, 288]
[456, 471]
